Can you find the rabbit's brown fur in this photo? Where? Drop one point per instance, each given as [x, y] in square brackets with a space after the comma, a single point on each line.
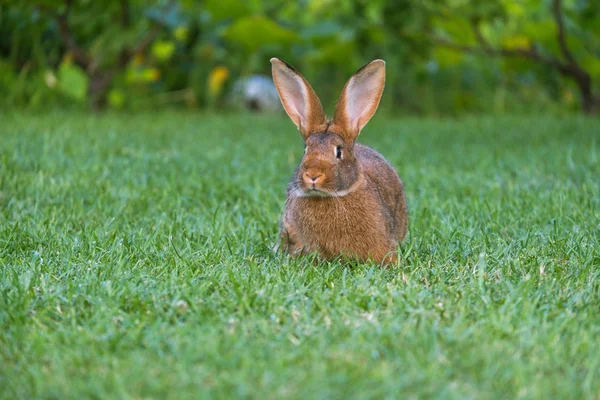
[345, 199]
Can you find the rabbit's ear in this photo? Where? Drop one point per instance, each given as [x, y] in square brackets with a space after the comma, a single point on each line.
[298, 98]
[360, 98]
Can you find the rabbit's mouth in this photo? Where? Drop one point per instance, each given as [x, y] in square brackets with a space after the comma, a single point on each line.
[316, 191]
[311, 191]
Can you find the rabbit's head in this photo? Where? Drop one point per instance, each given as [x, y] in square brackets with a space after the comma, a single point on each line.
[329, 166]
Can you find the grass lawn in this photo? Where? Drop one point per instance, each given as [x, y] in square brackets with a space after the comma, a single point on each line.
[135, 262]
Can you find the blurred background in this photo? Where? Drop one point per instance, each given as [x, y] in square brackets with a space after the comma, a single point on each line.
[444, 57]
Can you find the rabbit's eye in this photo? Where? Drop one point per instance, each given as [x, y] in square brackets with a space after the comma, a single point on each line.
[338, 152]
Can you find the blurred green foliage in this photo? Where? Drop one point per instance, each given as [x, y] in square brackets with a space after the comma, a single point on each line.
[133, 54]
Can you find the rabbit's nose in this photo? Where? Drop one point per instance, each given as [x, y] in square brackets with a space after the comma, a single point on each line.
[312, 177]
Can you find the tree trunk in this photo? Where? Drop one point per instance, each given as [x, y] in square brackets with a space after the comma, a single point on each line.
[585, 88]
[589, 103]
[98, 89]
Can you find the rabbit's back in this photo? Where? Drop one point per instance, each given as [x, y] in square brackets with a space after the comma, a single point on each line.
[385, 180]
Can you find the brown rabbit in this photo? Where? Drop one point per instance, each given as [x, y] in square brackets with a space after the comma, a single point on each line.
[345, 198]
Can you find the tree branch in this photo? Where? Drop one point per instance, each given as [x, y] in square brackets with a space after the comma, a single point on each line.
[79, 55]
[568, 68]
[66, 35]
[530, 53]
[479, 35]
[561, 34]
[485, 47]
[125, 14]
[127, 54]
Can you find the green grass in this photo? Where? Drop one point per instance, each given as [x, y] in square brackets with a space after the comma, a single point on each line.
[135, 262]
